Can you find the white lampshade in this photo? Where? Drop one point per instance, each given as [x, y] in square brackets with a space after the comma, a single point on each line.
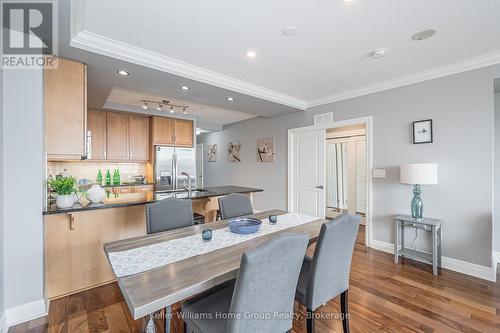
[419, 173]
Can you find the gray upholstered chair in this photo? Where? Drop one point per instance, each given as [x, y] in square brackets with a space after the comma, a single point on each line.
[168, 214]
[326, 275]
[265, 285]
[235, 205]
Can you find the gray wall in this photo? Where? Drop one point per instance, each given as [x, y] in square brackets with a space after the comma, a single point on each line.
[497, 173]
[2, 189]
[22, 184]
[461, 107]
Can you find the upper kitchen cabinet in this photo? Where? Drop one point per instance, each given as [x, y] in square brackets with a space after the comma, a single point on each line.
[162, 130]
[139, 138]
[117, 136]
[65, 90]
[96, 125]
[183, 132]
[172, 132]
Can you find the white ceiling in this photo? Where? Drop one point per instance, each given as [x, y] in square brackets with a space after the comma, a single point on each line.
[123, 99]
[327, 60]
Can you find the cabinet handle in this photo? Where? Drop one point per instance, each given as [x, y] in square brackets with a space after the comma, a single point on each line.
[71, 222]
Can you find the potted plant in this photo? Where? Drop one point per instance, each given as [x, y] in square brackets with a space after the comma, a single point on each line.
[66, 190]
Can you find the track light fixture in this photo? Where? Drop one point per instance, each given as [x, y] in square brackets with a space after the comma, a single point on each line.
[164, 103]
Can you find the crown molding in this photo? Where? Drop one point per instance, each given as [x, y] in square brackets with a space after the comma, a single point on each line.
[434, 73]
[92, 42]
[112, 48]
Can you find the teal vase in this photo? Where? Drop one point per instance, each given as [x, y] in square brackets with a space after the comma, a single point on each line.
[417, 205]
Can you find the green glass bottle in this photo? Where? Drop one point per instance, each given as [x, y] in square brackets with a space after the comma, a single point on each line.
[108, 178]
[116, 177]
[99, 177]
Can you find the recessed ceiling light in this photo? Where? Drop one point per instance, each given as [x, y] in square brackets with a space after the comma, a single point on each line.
[290, 31]
[425, 34]
[184, 87]
[378, 53]
[123, 72]
[251, 54]
[347, 0]
[230, 99]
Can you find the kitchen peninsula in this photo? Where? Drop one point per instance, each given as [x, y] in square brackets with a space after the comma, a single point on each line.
[74, 236]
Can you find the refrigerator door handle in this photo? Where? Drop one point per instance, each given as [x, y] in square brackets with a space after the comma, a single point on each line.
[174, 171]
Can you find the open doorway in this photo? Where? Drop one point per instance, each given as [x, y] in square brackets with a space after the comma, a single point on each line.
[346, 172]
[311, 151]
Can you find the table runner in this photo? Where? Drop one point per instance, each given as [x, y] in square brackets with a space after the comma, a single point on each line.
[152, 256]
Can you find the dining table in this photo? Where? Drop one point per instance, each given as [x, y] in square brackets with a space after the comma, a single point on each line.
[158, 284]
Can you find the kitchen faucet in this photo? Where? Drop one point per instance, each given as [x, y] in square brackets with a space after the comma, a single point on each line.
[189, 181]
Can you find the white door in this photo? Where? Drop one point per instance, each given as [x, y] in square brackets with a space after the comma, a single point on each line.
[361, 175]
[331, 175]
[308, 173]
[199, 164]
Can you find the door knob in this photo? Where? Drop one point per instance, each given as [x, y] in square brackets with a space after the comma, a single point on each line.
[320, 187]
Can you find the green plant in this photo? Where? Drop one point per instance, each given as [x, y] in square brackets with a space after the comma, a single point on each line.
[63, 185]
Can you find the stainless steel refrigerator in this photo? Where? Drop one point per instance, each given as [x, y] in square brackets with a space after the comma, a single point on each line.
[170, 162]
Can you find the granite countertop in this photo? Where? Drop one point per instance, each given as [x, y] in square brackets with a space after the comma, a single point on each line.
[149, 197]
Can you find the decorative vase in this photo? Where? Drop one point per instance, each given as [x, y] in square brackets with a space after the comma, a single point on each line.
[64, 200]
[96, 193]
[417, 205]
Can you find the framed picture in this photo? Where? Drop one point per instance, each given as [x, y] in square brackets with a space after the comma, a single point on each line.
[234, 150]
[265, 150]
[422, 131]
[212, 153]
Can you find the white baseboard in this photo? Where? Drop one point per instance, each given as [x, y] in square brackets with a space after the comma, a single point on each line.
[464, 267]
[25, 312]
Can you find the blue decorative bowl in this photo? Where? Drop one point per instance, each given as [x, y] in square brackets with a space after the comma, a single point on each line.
[244, 225]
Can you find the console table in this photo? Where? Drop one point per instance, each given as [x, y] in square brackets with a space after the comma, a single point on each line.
[433, 226]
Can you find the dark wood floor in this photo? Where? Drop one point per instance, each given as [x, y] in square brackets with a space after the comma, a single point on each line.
[384, 297]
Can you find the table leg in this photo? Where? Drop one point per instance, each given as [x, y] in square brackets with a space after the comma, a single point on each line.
[440, 239]
[168, 318]
[434, 250]
[396, 241]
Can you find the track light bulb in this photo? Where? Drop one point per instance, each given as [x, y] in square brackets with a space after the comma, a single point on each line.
[145, 105]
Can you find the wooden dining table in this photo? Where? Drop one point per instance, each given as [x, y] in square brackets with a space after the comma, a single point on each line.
[155, 289]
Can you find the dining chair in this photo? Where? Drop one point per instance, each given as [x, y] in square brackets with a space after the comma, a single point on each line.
[265, 286]
[168, 214]
[235, 205]
[326, 275]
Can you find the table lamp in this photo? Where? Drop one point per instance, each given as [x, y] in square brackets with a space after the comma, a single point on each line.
[418, 174]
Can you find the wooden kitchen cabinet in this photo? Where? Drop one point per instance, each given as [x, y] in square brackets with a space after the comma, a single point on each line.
[74, 254]
[162, 130]
[183, 133]
[96, 124]
[139, 138]
[65, 104]
[117, 136]
[172, 132]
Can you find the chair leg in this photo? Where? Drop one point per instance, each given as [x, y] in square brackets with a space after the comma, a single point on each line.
[185, 327]
[310, 321]
[344, 310]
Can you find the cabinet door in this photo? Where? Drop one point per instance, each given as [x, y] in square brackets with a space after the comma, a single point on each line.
[163, 130]
[183, 133]
[117, 136]
[96, 124]
[139, 138]
[65, 90]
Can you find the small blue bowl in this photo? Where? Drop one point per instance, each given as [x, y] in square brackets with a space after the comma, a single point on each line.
[273, 219]
[244, 225]
[206, 235]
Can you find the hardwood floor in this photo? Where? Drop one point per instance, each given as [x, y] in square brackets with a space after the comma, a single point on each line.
[383, 297]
